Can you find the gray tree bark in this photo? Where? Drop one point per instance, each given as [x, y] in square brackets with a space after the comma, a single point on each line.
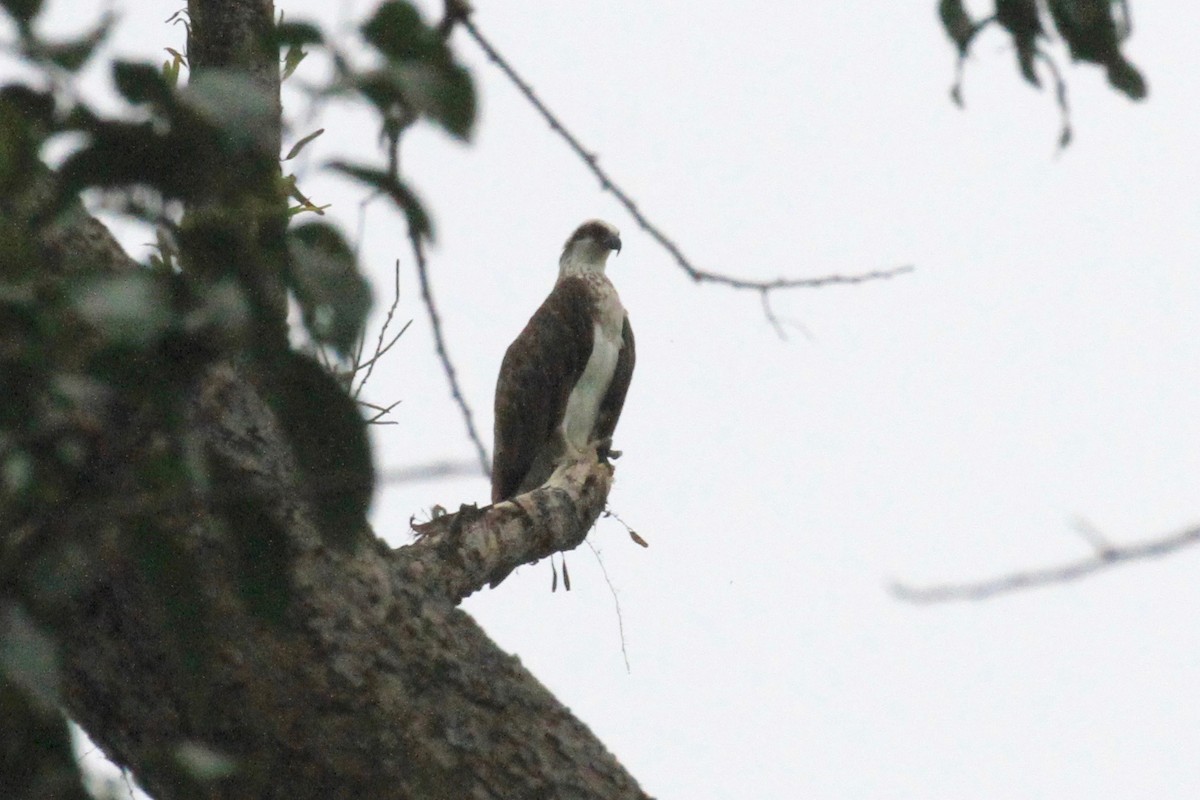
[373, 684]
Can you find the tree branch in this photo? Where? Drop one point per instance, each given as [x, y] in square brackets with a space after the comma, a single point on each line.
[364, 681]
[371, 685]
[461, 553]
[592, 162]
[1106, 556]
[435, 322]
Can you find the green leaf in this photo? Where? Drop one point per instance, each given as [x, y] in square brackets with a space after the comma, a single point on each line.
[400, 194]
[171, 67]
[142, 83]
[442, 92]
[36, 757]
[329, 439]
[133, 309]
[421, 72]
[1020, 18]
[291, 62]
[34, 106]
[203, 763]
[1093, 33]
[323, 273]
[121, 154]
[297, 34]
[25, 118]
[398, 32]
[957, 23]
[170, 570]
[261, 545]
[236, 105]
[294, 36]
[300, 145]
[221, 316]
[29, 657]
[23, 11]
[1126, 78]
[72, 55]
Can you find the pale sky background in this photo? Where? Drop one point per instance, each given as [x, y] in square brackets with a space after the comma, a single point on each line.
[1042, 364]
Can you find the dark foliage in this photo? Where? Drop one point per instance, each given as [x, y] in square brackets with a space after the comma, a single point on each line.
[1093, 31]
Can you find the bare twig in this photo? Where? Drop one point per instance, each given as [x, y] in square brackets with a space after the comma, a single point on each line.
[769, 313]
[616, 600]
[591, 161]
[381, 349]
[380, 352]
[381, 412]
[1060, 99]
[608, 512]
[964, 49]
[1105, 557]
[1094, 537]
[778, 324]
[435, 322]
[1060, 84]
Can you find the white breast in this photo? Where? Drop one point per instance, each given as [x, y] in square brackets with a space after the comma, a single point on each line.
[584, 401]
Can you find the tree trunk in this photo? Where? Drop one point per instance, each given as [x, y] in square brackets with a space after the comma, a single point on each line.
[369, 682]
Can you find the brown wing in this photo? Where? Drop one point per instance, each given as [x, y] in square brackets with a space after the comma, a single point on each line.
[614, 398]
[539, 370]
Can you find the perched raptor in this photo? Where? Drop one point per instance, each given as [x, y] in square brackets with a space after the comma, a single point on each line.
[563, 380]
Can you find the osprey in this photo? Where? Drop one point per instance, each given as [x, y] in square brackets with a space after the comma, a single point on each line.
[563, 380]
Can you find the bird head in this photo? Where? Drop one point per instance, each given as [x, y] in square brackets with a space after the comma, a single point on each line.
[588, 247]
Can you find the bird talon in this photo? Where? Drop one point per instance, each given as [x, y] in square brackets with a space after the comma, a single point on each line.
[605, 451]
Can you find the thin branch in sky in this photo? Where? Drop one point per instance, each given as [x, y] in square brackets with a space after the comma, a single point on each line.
[426, 472]
[381, 348]
[1093, 536]
[591, 161]
[435, 322]
[769, 313]
[391, 135]
[1060, 99]
[1106, 556]
[613, 591]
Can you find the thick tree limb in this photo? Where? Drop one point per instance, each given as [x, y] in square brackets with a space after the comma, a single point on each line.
[372, 686]
[463, 552]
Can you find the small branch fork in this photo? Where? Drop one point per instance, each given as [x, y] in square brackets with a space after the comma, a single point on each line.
[459, 12]
[391, 135]
[1106, 556]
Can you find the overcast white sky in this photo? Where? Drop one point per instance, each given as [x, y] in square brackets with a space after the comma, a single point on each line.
[1041, 364]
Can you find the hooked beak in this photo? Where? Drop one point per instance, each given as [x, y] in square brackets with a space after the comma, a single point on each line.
[614, 243]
